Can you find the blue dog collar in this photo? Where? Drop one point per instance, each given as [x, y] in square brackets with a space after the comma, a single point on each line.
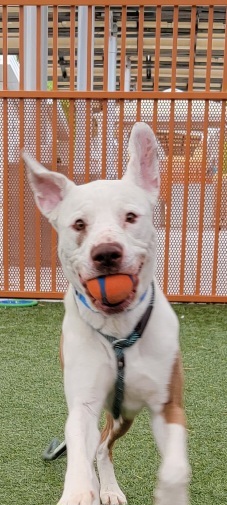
[83, 299]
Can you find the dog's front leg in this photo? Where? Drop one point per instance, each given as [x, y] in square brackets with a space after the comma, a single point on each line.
[174, 473]
[171, 436]
[82, 440]
[110, 492]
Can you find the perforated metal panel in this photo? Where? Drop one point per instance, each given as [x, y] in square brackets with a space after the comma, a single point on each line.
[84, 135]
[2, 284]
[191, 245]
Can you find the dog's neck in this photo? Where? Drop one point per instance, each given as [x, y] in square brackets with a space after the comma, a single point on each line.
[116, 325]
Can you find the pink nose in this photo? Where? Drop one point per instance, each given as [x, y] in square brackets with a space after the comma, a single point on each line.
[107, 256]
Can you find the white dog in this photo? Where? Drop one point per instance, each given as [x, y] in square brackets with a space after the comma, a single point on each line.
[122, 357]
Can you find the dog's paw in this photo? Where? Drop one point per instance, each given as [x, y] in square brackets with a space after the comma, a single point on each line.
[173, 496]
[174, 472]
[77, 499]
[172, 486]
[174, 476]
[113, 497]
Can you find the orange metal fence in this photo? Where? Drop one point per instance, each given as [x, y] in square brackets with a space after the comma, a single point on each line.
[84, 134]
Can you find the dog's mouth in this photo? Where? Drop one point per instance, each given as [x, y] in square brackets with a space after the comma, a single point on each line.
[113, 308]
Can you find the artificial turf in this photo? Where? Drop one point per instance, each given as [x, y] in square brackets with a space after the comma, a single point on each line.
[33, 409]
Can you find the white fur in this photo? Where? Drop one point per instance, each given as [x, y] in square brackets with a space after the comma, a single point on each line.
[110, 493]
[89, 360]
[174, 472]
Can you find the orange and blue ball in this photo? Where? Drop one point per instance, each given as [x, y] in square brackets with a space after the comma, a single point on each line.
[111, 289]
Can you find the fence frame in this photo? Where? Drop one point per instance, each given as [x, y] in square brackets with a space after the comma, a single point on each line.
[120, 96]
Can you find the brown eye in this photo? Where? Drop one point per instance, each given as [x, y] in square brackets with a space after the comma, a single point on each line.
[131, 217]
[79, 225]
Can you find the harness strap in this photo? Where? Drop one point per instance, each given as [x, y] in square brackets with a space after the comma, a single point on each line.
[119, 346]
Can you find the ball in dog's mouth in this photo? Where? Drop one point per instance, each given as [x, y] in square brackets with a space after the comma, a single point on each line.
[112, 291]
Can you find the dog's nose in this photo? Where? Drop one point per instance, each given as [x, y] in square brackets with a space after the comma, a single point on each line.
[107, 255]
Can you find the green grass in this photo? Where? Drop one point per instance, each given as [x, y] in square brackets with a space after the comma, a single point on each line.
[33, 409]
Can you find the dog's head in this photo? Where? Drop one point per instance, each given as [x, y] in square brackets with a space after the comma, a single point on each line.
[104, 227]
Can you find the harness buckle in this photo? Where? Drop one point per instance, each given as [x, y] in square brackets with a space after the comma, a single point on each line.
[119, 343]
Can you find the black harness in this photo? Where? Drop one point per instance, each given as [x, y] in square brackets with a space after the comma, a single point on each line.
[119, 346]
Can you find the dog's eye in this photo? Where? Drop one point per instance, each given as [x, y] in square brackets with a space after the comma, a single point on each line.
[79, 225]
[131, 217]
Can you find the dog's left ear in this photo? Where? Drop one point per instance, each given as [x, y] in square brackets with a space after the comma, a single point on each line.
[49, 188]
[143, 166]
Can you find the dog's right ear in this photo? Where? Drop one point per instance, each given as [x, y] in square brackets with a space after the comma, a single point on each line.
[49, 188]
[143, 167]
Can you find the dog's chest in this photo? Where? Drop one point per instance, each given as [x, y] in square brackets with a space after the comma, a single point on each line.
[145, 381]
